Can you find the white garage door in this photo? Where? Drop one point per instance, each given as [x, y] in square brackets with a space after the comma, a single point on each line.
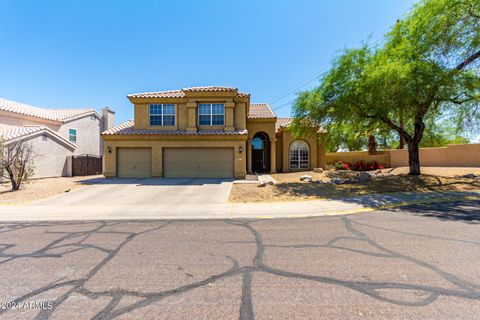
[198, 162]
[134, 162]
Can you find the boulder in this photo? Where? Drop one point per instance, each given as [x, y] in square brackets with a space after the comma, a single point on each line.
[318, 170]
[364, 177]
[306, 178]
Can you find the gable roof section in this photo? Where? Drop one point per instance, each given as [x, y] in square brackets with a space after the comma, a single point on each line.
[282, 123]
[58, 115]
[285, 122]
[27, 131]
[182, 93]
[127, 128]
[260, 111]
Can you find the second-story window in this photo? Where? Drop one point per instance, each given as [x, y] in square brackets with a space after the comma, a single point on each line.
[211, 114]
[72, 135]
[162, 114]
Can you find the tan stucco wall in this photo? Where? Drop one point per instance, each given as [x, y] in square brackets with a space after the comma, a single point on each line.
[88, 134]
[157, 145]
[454, 155]
[287, 138]
[50, 156]
[142, 111]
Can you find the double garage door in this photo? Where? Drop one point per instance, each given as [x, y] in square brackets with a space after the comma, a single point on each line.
[177, 162]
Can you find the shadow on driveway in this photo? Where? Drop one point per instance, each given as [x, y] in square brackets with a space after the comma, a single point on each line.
[153, 181]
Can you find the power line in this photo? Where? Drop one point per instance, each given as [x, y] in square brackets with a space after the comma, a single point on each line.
[295, 88]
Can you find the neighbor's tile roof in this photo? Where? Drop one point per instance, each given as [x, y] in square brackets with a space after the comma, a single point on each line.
[23, 131]
[126, 128]
[181, 93]
[59, 115]
[260, 111]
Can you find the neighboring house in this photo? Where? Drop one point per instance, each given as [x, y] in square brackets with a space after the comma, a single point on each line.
[55, 134]
[206, 132]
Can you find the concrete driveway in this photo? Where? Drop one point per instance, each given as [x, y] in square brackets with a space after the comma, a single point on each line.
[131, 192]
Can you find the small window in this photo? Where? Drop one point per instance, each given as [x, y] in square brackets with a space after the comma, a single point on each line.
[72, 135]
[211, 114]
[299, 155]
[162, 114]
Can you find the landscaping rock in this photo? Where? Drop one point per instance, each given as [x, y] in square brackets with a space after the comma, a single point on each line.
[265, 183]
[469, 176]
[306, 178]
[364, 177]
[318, 170]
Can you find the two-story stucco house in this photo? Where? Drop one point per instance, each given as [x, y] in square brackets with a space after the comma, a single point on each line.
[55, 134]
[206, 132]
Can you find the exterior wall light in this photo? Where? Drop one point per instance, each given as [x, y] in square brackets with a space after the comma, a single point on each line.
[240, 149]
[109, 149]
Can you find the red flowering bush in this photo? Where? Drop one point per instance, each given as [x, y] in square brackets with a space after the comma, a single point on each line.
[358, 166]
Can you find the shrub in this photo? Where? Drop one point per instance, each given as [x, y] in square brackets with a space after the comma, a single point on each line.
[358, 166]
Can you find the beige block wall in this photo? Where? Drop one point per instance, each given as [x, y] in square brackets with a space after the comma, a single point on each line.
[88, 134]
[382, 157]
[454, 155]
[114, 142]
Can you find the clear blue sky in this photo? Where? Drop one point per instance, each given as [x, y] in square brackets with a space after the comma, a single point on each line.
[92, 53]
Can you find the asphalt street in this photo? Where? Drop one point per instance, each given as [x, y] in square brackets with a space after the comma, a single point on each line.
[417, 262]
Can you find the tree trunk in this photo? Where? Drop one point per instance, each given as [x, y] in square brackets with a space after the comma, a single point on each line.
[13, 181]
[413, 149]
[413, 158]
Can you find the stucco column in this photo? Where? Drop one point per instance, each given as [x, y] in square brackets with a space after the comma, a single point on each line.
[273, 157]
[249, 156]
[229, 125]
[192, 116]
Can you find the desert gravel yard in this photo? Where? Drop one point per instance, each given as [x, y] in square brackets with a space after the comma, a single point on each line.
[290, 188]
[41, 188]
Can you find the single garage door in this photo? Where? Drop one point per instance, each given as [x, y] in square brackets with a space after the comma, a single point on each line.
[134, 162]
[198, 162]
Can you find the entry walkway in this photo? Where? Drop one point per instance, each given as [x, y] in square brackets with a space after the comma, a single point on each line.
[349, 205]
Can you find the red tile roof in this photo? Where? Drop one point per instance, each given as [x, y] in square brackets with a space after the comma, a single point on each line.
[282, 123]
[181, 93]
[126, 128]
[260, 111]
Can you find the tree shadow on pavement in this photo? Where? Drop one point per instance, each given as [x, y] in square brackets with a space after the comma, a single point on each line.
[466, 211]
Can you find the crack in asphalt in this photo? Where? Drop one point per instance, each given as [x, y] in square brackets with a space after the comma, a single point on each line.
[113, 309]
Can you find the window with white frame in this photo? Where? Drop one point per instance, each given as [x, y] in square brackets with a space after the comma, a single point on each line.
[72, 135]
[299, 155]
[162, 114]
[211, 114]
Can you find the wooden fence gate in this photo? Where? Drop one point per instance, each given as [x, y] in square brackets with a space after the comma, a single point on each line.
[86, 165]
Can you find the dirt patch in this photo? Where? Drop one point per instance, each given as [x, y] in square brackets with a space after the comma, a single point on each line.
[40, 189]
[290, 188]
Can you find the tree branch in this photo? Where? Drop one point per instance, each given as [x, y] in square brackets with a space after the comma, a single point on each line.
[469, 60]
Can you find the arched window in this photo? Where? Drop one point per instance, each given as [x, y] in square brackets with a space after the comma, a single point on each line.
[299, 155]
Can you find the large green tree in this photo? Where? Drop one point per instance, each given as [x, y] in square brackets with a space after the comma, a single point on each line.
[428, 65]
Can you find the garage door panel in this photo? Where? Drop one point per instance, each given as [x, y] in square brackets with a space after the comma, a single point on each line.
[198, 162]
[134, 162]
